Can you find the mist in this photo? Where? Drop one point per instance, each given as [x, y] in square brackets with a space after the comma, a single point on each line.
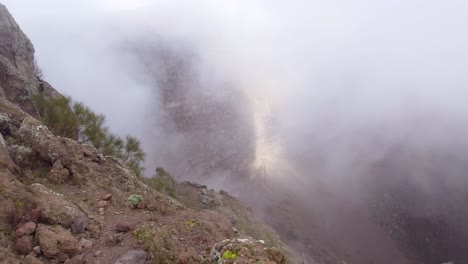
[335, 100]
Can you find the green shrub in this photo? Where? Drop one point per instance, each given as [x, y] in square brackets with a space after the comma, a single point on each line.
[163, 182]
[135, 199]
[74, 120]
[228, 254]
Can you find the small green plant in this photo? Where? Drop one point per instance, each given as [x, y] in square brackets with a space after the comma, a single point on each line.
[163, 181]
[19, 204]
[135, 199]
[191, 224]
[74, 120]
[228, 254]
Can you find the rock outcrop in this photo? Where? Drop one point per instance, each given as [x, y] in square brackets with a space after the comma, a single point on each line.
[19, 78]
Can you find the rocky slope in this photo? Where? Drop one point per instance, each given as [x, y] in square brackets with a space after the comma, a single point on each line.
[63, 202]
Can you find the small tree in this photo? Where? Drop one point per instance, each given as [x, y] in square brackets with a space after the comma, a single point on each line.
[163, 182]
[133, 154]
[132, 150]
[91, 127]
[112, 146]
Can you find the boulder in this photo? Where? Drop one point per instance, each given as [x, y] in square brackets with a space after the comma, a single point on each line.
[53, 206]
[25, 229]
[24, 245]
[80, 224]
[85, 243]
[21, 155]
[106, 197]
[48, 147]
[132, 257]
[31, 259]
[123, 227]
[37, 250]
[35, 215]
[54, 240]
[58, 174]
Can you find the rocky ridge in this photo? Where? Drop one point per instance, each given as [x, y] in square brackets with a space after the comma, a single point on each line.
[63, 202]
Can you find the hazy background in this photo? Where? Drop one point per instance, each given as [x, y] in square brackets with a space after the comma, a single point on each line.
[364, 63]
[354, 95]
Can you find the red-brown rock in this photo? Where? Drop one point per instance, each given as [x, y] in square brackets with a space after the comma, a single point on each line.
[106, 197]
[35, 215]
[102, 204]
[24, 245]
[123, 227]
[25, 229]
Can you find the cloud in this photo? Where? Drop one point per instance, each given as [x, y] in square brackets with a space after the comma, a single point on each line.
[331, 73]
[336, 87]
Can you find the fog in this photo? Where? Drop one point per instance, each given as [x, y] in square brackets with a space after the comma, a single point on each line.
[350, 97]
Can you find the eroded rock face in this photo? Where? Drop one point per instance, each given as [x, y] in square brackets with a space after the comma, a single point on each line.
[55, 209]
[54, 240]
[16, 63]
[18, 71]
[14, 44]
